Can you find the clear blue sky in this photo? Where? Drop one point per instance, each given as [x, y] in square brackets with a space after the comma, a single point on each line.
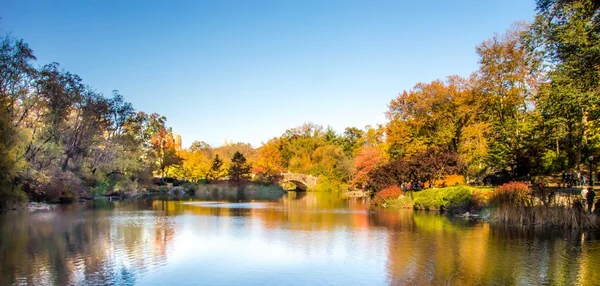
[248, 70]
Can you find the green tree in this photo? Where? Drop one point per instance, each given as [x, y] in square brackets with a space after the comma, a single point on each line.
[216, 170]
[352, 140]
[506, 85]
[567, 34]
[239, 169]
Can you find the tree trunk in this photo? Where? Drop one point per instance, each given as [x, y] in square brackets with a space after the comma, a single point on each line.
[581, 138]
[65, 164]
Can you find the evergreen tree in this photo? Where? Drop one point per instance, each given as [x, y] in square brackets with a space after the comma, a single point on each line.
[239, 169]
[215, 172]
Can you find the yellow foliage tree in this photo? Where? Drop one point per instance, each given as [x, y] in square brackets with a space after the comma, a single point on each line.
[268, 162]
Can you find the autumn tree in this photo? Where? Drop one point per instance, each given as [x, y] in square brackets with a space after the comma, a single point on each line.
[434, 165]
[506, 85]
[16, 73]
[268, 163]
[164, 147]
[195, 165]
[437, 114]
[386, 175]
[368, 158]
[427, 167]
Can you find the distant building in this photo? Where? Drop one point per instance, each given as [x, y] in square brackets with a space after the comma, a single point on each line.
[177, 141]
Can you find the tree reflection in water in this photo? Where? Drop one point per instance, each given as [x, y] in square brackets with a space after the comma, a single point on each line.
[244, 238]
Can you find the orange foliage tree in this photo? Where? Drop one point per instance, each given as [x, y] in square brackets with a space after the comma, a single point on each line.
[368, 158]
[268, 163]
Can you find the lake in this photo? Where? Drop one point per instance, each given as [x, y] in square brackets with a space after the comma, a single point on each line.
[273, 238]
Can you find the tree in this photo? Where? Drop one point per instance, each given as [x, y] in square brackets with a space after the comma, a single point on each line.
[16, 73]
[506, 85]
[61, 138]
[567, 35]
[430, 115]
[352, 140]
[268, 163]
[429, 166]
[203, 147]
[331, 162]
[195, 166]
[216, 170]
[368, 158]
[164, 148]
[239, 170]
[390, 174]
[433, 165]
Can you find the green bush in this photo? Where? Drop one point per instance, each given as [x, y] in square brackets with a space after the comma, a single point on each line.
[101, 187]
[11, 198]
[126, 186]
[163, 189]
[189, 188]
[453, 198]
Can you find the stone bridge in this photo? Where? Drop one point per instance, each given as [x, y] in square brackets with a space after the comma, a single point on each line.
[302, 181]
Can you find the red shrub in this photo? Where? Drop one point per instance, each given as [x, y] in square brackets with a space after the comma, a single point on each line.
[391, 192]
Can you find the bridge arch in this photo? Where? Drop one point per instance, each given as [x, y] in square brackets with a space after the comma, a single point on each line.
[299, 185]
[302, 181]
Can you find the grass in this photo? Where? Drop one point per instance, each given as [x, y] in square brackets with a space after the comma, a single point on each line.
[403, 202]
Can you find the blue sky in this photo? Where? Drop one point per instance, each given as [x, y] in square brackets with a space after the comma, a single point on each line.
[248, 70]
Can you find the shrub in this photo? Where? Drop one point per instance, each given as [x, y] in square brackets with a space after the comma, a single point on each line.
[163, 189]
[325, 184]
[481, 198]
[453, 199]
[512, 194]
[392, 192]
[11, 197]
[403, 202]
[126, 186]
[189, 188]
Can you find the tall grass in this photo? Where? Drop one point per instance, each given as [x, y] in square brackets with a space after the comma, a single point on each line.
[514, 204]
[513, 194]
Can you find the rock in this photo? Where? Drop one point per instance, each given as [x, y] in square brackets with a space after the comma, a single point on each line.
[176, 191]
[33, 206]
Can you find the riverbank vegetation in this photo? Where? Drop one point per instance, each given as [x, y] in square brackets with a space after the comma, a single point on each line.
[530, 109]
[513, 203]
[453, 200]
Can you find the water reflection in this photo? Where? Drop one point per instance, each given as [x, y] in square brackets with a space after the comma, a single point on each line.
[229, 238]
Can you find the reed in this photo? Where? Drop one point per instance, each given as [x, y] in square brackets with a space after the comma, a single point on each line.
[514, 204]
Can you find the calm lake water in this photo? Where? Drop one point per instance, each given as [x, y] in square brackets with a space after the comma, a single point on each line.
[240, 238]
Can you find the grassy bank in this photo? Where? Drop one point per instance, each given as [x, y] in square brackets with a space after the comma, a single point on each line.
[510, 204]
[450, 199]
